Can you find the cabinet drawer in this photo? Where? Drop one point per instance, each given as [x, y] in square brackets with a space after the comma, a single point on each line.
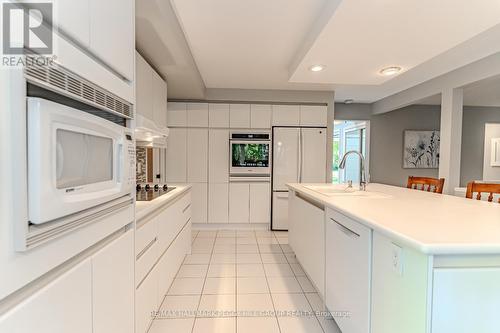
[146, 301]
[145, 234]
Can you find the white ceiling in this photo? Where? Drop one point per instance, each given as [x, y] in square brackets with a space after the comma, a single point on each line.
[269, 44]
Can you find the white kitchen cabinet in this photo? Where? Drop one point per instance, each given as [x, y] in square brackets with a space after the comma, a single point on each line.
[465, 300]
[218, 115]
[64, 305]
[239, 202]
[218, 157]
[177, 155]
[280, 211]
[197, 114]
[260, 202]
[199, 197]
[286, 115]
[260, 116]
[348, 273]
[112, 34]
[307, 237]
[146, 301]
[176, 114]
[73, 19]
[143, 87]
[313, 115]
[218, 203]
[172, 259]
[197, 155]
[113, 286]
[159, 100]
[240, 116]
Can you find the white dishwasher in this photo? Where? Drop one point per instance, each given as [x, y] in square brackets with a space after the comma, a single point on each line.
[348, 272]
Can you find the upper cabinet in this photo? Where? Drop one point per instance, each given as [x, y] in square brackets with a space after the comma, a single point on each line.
[197, 114]
[260, 116]
[151, 93]
[159, 100]
[286, 115]
[176, 114]
[240, 116]
[218, 115]
[73, 18]
[313, 115]
[144, 87]
[112, 33]
[105, 28]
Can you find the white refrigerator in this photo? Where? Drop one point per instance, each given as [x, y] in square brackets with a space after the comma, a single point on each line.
[299, 156]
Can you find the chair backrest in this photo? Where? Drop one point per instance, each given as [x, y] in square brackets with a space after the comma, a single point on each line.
[479, 188]
[426, 184]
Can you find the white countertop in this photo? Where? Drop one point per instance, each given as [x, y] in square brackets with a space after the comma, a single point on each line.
[431, 223]
[143, 208]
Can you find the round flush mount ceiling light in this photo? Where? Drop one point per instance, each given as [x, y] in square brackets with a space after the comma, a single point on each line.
[391, 70]
[317, 68]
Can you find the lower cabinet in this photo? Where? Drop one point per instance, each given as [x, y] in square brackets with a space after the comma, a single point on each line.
[113, 286]
[249, 202]
[307, 238]
[280, 211]
[95, 296]
[166, 236]
[199, 199]
[64, 305]
[218, 203]
[348, 273]
[239, 198]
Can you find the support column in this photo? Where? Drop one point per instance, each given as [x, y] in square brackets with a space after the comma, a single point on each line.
[451, 138]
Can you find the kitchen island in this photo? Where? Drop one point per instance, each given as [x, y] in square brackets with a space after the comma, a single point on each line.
[397, 260]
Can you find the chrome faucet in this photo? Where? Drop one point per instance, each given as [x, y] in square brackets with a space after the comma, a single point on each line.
[364, 175]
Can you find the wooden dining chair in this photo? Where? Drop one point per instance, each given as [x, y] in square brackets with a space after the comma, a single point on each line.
[426, 184]
[479, 188]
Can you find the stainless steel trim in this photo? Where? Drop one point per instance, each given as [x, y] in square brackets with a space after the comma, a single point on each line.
[40, 234]
[346, 230]
[299, 162]
[310, 201]
[63, 81]
[250, 179]
[146, 248]
[186, 208]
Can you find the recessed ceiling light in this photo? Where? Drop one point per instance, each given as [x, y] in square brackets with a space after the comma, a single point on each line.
[349, 101]
[388, 71]
[317, 68]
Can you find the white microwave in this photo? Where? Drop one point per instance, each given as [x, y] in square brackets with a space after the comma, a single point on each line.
[76, 160]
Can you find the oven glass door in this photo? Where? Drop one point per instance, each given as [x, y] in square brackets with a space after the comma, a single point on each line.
[249, 154]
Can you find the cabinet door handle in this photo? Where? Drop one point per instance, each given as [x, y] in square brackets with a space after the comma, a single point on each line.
[346, 230]
[144, 250]
[186, 208]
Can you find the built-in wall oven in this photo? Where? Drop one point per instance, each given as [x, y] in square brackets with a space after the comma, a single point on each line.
[250, 155]
[76, 161]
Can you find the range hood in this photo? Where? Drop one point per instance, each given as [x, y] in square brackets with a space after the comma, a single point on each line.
[148, 134]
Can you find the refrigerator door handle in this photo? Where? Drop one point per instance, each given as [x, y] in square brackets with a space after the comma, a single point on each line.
[299, 155]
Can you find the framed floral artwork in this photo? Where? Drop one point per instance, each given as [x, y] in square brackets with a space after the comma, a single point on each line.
[421, 149]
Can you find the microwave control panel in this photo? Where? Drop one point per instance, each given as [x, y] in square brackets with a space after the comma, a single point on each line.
[130, 150]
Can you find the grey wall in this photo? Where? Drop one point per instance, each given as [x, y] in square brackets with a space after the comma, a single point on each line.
[386, 139]
[473, 138]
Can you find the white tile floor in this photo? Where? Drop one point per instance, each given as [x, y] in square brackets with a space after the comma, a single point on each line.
[241, 281]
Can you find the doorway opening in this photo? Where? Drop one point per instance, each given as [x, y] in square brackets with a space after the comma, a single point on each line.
[350, 135]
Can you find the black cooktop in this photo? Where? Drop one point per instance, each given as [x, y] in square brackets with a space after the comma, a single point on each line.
[148, 192]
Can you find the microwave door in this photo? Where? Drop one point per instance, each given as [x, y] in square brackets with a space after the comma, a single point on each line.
[72, 161]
